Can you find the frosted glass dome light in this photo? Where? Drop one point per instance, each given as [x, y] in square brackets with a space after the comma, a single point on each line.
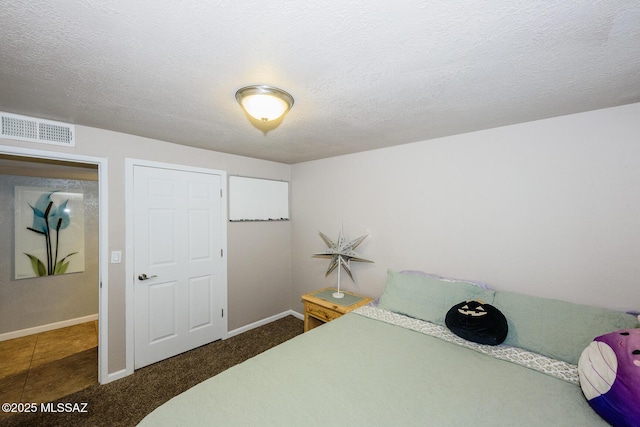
[263, 102]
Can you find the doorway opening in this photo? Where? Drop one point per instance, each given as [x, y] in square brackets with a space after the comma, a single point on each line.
[48, 318]
[101, 163]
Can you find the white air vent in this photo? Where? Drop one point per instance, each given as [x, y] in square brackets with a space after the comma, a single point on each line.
[13, 126]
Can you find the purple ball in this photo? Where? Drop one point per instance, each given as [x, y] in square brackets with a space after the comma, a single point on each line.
[610, 376]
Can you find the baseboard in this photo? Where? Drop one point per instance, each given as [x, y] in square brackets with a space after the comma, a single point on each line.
[264, 322]
[47, 327]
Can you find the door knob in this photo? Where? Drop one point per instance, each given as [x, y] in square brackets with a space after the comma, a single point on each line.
[143, 276]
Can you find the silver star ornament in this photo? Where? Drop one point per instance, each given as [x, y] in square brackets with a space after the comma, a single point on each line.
[341, 253]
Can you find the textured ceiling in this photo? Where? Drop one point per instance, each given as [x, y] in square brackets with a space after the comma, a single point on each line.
[364, 74]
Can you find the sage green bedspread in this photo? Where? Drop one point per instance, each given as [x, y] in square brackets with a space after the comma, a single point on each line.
[357, 371]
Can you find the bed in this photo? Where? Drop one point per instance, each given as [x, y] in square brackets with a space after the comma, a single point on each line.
[398, 364]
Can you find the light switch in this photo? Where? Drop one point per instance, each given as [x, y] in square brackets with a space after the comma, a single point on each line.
[116, 257]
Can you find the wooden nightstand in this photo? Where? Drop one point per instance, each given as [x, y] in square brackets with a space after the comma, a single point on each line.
[320, 307]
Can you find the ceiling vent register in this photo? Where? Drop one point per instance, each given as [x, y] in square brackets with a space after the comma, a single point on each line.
[13, 126]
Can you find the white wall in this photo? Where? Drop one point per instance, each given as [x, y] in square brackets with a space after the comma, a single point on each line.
[258, 259]
[547, 208]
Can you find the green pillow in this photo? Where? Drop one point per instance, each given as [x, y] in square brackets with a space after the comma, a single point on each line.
[558, 329]
[427, 298]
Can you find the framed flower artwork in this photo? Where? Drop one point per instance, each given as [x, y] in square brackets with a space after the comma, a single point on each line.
[49, 232]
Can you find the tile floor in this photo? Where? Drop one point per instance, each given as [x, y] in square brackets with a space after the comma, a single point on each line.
[49, 365]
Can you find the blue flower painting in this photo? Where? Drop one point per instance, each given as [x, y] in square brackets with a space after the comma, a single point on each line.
[49, 232]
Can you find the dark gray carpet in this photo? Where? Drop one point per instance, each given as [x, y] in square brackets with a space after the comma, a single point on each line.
[125, 402]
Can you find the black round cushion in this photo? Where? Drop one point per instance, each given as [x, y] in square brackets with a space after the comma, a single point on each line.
[477, 322]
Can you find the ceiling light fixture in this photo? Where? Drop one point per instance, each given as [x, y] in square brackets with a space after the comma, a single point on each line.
[264, 102]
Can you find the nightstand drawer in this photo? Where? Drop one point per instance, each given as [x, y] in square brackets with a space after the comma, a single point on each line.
[321, 313]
